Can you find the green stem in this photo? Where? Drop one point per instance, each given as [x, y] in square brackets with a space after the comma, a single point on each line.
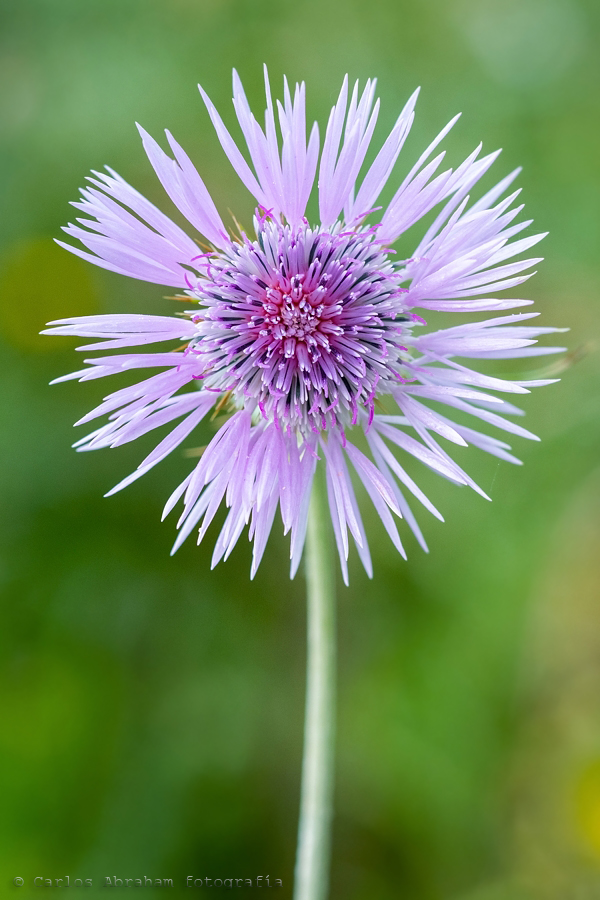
[316, 806]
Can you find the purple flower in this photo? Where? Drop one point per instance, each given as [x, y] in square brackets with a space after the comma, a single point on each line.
[306, 335]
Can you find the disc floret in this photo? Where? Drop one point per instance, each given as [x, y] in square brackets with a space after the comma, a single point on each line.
[309, 322]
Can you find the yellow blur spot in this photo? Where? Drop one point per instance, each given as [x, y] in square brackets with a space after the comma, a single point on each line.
[587, 806]
[40, 281]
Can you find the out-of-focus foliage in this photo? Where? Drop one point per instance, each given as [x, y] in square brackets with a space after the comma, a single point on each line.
[151, 710]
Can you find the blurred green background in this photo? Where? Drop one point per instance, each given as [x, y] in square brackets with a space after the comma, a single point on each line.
[151, 710]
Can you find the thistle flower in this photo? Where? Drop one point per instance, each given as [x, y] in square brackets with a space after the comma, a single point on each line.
[307, 334]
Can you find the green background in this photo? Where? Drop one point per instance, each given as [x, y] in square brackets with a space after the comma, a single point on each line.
[151, 710]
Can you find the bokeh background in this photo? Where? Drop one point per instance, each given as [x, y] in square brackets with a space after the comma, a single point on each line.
[151, 710]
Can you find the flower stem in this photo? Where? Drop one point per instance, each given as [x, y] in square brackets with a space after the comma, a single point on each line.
[316, 806]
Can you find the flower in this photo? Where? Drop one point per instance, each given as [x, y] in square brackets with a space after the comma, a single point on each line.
[306, 336]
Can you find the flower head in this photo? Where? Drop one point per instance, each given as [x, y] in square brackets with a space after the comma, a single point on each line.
[306, 334]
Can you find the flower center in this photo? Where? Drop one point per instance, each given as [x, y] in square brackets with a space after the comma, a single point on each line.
[290, 317]
[297, 321]
[310, 323]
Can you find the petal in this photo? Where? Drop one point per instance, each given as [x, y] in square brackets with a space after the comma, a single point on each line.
[186, 189]
[232, 152]
[147, 245]
[380, 170]
[337, 175]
